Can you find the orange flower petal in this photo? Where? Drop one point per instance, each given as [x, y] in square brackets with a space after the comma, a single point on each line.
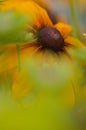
[74, 42]
[28, 52]
[63, 28]
[41, 3]
[38, 14]
[21, 85]
[9, 58]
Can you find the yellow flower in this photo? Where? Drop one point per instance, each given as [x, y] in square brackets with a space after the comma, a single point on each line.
[50, 47]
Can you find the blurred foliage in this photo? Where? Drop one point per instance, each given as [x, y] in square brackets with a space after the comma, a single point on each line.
[35, 114]
[47, 94]
[12, 27]
[80, 55]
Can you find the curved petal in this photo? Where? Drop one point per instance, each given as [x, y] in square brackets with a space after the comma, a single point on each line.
[74, 42]
[63, 28]
[38, 14]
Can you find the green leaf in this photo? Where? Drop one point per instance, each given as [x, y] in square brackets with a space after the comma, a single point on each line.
[81, 54]
[11, 26]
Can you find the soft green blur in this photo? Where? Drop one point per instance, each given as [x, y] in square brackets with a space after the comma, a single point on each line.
[40, 95]
[33, 113]
[12, 27]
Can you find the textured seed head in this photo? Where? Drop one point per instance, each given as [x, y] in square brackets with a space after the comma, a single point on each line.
[51, 38]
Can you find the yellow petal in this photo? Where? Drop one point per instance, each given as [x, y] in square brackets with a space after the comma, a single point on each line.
[74, 42]
[63, 28]
[38, 14]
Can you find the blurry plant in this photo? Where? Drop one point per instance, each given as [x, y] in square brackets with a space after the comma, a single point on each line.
[38, 57]
[74, 17]
[48, 84]
[12, 27]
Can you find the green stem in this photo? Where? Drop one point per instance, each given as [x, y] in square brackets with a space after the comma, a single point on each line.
[74, 18]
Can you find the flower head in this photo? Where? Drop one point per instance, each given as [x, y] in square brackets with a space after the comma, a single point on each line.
[51, 41]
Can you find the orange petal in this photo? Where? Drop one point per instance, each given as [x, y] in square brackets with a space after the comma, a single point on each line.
[9, 58]
[74, 42]
[38, 14]
[28, 52]
[21, 85]
[41, 3]
[63, 28]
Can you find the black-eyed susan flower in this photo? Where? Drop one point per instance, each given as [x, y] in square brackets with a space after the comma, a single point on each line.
[46, 62]
[48, 36]
[48, 73]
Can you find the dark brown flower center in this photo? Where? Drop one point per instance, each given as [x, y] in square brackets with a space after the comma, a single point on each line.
[51, 38]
